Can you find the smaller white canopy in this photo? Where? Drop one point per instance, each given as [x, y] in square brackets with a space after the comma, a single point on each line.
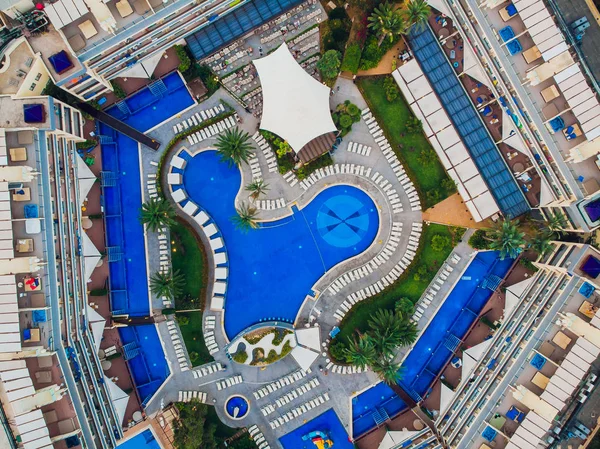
[304, 357]
[472, 66]
[394, 437]
[91, 255]
[86, 179]
[119, 398]
[295, 105]
[97, 324]
[446, 396]
[310, 338]
[143, 69]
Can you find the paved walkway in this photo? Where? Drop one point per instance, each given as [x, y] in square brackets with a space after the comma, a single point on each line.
[320, 309]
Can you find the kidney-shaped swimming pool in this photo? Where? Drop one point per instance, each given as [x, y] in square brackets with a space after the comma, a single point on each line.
[273, 268]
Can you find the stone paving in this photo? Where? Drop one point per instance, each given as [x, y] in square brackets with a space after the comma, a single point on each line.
[340, 387]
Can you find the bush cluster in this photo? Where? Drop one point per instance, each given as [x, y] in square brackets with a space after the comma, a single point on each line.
[478, 240]
[345, 115]
[391, 89]
[336, 30]
[117, 89]
[351, 59]
[184, 59]
[373, 52]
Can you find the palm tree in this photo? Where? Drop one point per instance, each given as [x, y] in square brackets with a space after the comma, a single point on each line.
[407, 333]
[234, 146]
[418, 12]
[388, 371]
[167, 284]
[541, 243]
[386, 22]
[556, 223]
[156, 213]
[507, 239]
[360, 352]
[245, 219]
[385, 326]
[257, 187]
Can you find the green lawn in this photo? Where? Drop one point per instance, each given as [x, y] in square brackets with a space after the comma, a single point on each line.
[189, 259]
[392, 117]
[406, 285]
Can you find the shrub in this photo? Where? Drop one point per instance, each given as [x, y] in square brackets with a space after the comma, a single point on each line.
[351, 58]
[391, 89]
[99, 292]
[478, 240]
[338, 13]
[420, 273]
[320, 162]
[240, 357]
[86, 144]
[373, 52]
[193, 356]
[183, 320]
[329, 64]
[340, 36]
[414, 125]
[528, 264]
[345, 121]
[184, 60]
[404, 306]
[427, 156]
[117, 89]
[336, 350]
[440, 242]
[433, 196]
[449, 185]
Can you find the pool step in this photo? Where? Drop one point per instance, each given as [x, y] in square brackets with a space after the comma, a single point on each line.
[452, 342]
[108, 179]
[158, 88]
[130, 350]
[491, 282]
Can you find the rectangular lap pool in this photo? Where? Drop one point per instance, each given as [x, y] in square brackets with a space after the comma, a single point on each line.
[125, 243]
[437, 344]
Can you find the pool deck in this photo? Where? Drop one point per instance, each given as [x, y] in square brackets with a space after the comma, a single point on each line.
[340, 387]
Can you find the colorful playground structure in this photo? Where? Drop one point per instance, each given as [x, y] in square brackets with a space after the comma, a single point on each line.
[320, 439]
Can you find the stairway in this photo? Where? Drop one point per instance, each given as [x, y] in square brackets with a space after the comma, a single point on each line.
[158, 88]
[108, 179]
[124, 107]
[491, 282]
[452, 342]
[114, 253]
[130, 350]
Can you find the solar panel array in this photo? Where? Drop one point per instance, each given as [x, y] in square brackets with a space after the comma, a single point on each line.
[235, 24]
[466, 119]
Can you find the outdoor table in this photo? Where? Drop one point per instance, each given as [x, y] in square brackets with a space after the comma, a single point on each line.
[450, 43]
[18, 154]
[24, 245]
[561, 340]
[444, 33]
[550, 93]
[540, 380]
[588, 309]
[23, 194]
[88, 29]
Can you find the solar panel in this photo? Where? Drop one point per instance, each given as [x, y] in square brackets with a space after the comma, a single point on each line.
[468, 123]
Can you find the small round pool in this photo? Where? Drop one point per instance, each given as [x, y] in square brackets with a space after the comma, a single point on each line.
[236, 407]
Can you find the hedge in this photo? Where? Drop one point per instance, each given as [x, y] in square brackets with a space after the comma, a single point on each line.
[352, 58]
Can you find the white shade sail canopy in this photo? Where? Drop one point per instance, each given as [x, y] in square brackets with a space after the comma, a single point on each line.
[119, 398]
[295, 105]
[97, 324]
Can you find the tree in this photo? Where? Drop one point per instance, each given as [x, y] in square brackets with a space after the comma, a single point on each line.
[440, 242]
[478, 240]
[555, 224]
[329, 64]
[414, 125]
[257, 187]
[167, 284]
[191, 429]
[385, 331]
[418, 12]
[156, 213]
[427, 156]
[541, 243]
[234, 146]
[245, 219]
[386, 22]
[360, 352]
[507, 239]
[388, 371]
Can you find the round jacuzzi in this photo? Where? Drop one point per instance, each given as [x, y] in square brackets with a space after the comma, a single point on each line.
[236, 407]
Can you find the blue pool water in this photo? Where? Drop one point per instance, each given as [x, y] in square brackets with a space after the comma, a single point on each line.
[128, 282]
[328, 423]
[143, 440]
[237, 402]
[272, 269]
[432, 351]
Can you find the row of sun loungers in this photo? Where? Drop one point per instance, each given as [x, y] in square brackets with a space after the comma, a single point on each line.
[211, 342]
[292, 395]
[187, 396]
[229, 382]
[212, 130]
[207, 370]
[386, 281]
[274, 386]
[151, 185]
[165, 264]
[299, 411]
[290, 178]
[455, 258]
[177, 345]
[342, 369]
[360, 272]
[267, 151]
[270, 204]
[210, 322]
[198, 118]
[429, 295]
[391, 157]
[258, 437]
[359, 148]
[255, 167]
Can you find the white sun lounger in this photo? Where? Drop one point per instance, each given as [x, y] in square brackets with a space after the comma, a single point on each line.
[220, 258]
[174, 178]
[201, 218]
[210, 230]
[179, 195]
[221, 273]
[219, 288]
[190, 208]
[216, 244]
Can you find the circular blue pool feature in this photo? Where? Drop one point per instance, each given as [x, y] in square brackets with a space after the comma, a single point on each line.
[343, 221]
[237, 407]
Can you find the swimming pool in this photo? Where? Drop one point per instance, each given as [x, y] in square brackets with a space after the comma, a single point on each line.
[273, 268]
[237, 407]
[328, 422]
[143, 440]
[437, 344]
[126, 250]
